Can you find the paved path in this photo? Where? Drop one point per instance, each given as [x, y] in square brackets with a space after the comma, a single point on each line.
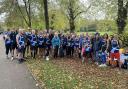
[12, 74]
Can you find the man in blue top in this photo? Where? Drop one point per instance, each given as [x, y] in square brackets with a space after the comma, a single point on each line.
[56, 44]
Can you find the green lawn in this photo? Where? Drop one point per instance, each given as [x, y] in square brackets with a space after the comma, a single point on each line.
[102, 33]
[70, 74]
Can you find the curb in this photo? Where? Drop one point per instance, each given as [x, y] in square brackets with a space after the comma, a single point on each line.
[33, 76]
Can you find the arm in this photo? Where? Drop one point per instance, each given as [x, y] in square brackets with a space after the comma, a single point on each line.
[17, 40]
[53, 42]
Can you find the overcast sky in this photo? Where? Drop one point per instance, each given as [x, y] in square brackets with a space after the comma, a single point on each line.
[98, 15]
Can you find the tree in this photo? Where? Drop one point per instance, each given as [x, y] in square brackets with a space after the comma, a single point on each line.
[122, 15]
[27, 6]
[72, 9]
[46, 14]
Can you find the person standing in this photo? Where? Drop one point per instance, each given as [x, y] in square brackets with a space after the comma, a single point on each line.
[56, 44]
[21, 45]
[33, 44]
[40, 44]
[13, 43]
[7, 45]
[96, 47]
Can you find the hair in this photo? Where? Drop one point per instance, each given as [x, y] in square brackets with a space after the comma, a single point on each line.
[105, 35]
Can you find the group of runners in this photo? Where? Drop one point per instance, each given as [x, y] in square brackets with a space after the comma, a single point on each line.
[95, 48]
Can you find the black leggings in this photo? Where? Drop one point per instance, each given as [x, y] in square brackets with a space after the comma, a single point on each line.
[70, 51]
[33, 51]
[56, 51]
[8, 48]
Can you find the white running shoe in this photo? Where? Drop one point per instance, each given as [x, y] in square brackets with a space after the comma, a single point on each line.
[102, 65]
[12, 58]
[47, 58]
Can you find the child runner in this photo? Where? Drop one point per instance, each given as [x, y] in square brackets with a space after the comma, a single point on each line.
[87, 48]
[115, 55]
[124, 59]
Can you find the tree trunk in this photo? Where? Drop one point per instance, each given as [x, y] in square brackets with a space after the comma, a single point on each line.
[52, 22]
[72, 26]
[46, 15]
[29, 12]
[122, 17]
[71, 18]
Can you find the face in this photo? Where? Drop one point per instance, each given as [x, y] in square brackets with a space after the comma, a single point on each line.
[21, 31]
[33, 31]
[56, 34]
[12, 30]
[97, 36]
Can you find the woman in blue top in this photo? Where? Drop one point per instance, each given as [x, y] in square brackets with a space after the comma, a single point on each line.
[33, 44]
[48, 47]
[7, 44]
[87, 52]
[97, 45]
[56, 44]
[40, 44]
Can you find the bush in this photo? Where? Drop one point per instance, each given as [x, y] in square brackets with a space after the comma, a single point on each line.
[124, 39]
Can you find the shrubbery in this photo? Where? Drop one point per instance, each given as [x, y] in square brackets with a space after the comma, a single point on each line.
[124, 39]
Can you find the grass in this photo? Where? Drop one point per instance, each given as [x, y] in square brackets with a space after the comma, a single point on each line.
[102, 33]
[60, 74]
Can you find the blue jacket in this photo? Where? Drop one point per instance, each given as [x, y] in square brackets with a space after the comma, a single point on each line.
[97, 44]
[81, 39]
[13, 38]
[63, 41]
[7, 42]
[40, 40]
[21, 41]
[55, 41]
[33, 40]
[48, 42]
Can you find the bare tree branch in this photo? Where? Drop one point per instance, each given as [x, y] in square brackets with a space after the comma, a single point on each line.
[77, 14]
[22, 13]
[25, 3]
[126, 6]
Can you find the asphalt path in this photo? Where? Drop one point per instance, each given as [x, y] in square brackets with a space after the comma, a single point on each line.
[12, 74]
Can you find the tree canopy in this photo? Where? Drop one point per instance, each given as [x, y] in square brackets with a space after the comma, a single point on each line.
[66, 14]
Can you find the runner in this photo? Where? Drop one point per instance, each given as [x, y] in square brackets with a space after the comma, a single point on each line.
[33, 44]
[21, 45]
